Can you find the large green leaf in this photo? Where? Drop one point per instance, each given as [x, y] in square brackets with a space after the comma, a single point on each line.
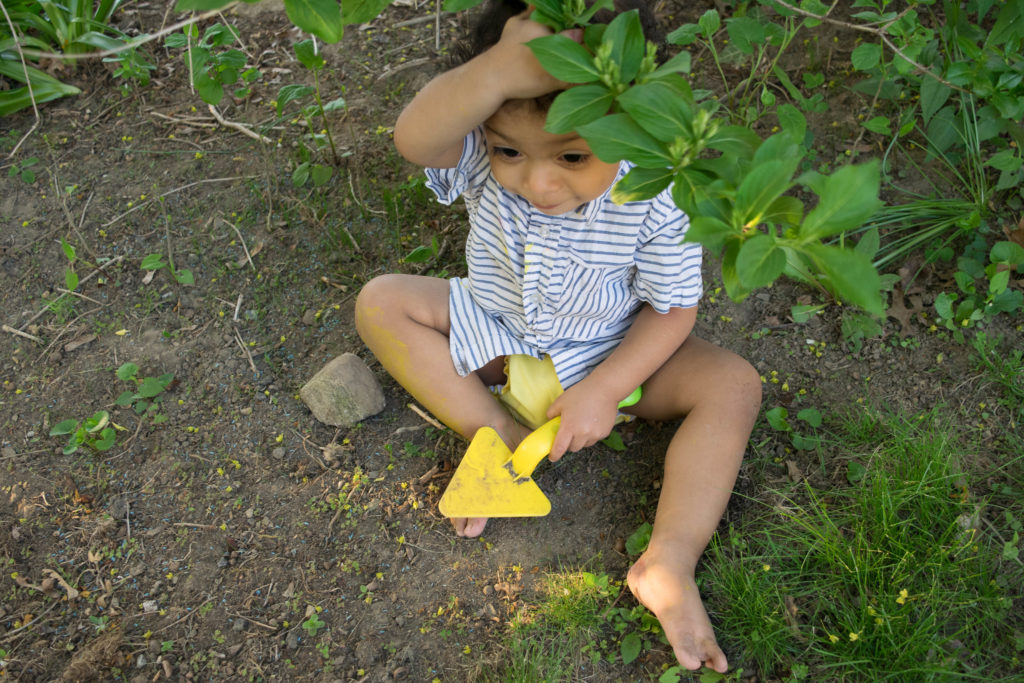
[617, 136]
[710, 231]
[659, 110]
[362, 11]
[793, 122]
[564, 58]
[641, 183]
[745, 32]
[43, 91]
[322, 18]
[628, 43]
[578, 106]
[306, 53]
[730, 278]
[678, 64]
[761, 186]
[850, 275]
[760, 261]
[849, 197]
[735, 140]
[784, 211]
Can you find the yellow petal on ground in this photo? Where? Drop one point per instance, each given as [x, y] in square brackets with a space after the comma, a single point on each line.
[121, 332]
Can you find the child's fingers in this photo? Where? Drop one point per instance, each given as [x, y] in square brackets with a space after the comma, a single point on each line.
[560, 445]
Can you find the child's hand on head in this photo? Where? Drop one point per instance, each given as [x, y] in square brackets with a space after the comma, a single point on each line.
[526, 78]
[588, 416]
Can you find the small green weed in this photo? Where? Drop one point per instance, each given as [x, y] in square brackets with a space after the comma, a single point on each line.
[154, 262]
[778, 419]
[984, 290]
[94, 432]
[146, 397]
[23, 170]
[213, 69]
[63, 305]
[313, 624]
[307, 53]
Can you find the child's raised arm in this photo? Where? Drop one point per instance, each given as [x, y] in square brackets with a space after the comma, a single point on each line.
[430, 130]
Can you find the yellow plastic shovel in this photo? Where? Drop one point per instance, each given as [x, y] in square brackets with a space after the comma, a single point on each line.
[492, 481]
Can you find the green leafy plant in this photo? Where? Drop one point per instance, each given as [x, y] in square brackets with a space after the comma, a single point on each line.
[154, 262]
[145, 398]
[94, 432]
[70, 28]
[778, 419]
[23, 170]
[984, 290]
[758, 42]
[213, 69]
[306, 51]
[308, 168]
[313, 624]
[732, 184]
[63, 305]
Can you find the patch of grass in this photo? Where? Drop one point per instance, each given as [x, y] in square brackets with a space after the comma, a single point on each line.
[902, 575]
[551, 639]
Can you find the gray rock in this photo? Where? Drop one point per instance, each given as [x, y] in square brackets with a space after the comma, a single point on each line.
[343, 392]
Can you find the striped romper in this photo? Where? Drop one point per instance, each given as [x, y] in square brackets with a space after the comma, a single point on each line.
[567, 286]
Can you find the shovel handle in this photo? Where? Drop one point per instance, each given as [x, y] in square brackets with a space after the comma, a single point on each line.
[536, 446]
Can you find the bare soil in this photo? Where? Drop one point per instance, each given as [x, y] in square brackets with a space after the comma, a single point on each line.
[197, 548]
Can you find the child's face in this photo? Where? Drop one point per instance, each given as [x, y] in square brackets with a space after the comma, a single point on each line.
[555, 173]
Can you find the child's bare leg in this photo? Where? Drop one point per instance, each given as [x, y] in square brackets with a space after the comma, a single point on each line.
[404, 320]
[720, 394]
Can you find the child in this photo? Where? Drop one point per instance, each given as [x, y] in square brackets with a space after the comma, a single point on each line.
[557, 269]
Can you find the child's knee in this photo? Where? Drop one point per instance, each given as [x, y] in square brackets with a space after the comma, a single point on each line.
[742, 381]
[372, 302]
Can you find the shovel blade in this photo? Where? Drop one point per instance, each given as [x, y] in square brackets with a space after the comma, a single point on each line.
[484, 485]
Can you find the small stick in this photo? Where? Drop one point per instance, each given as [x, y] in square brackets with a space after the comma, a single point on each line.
[238, 304]
[9, 635]
[419, 411]
[248, 256]
[99, 269]
[80, 296]
[191, 613]
[185, 121]
[196, 526]
[26, 335]
[241, 344]
[238, 126]
[170, 192]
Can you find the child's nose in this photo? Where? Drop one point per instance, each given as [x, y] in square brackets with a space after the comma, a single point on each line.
[540, 178]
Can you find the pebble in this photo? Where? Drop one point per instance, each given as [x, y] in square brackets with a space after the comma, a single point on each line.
[277, 453]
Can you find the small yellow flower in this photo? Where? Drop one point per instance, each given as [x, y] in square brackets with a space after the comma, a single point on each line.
[902, 599]
[854, 637]
[766, 567]
[833, 639]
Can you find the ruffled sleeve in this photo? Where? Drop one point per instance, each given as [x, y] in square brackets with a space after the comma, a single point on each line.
[467, 178]
[668, 269]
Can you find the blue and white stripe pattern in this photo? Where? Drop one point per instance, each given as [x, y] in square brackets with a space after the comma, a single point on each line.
[568, 286]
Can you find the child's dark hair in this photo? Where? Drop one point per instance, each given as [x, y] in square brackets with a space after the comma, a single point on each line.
[487, 27]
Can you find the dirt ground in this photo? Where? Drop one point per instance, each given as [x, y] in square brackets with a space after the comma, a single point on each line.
[198, 547]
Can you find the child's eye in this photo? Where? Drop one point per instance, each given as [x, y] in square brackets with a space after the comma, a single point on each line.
[575, 158]
[506, 152]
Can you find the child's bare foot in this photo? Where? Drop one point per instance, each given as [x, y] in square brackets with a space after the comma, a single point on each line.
[663, 583]
[470, 527]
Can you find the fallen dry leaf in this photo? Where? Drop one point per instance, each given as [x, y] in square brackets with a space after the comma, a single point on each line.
[55, 576]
